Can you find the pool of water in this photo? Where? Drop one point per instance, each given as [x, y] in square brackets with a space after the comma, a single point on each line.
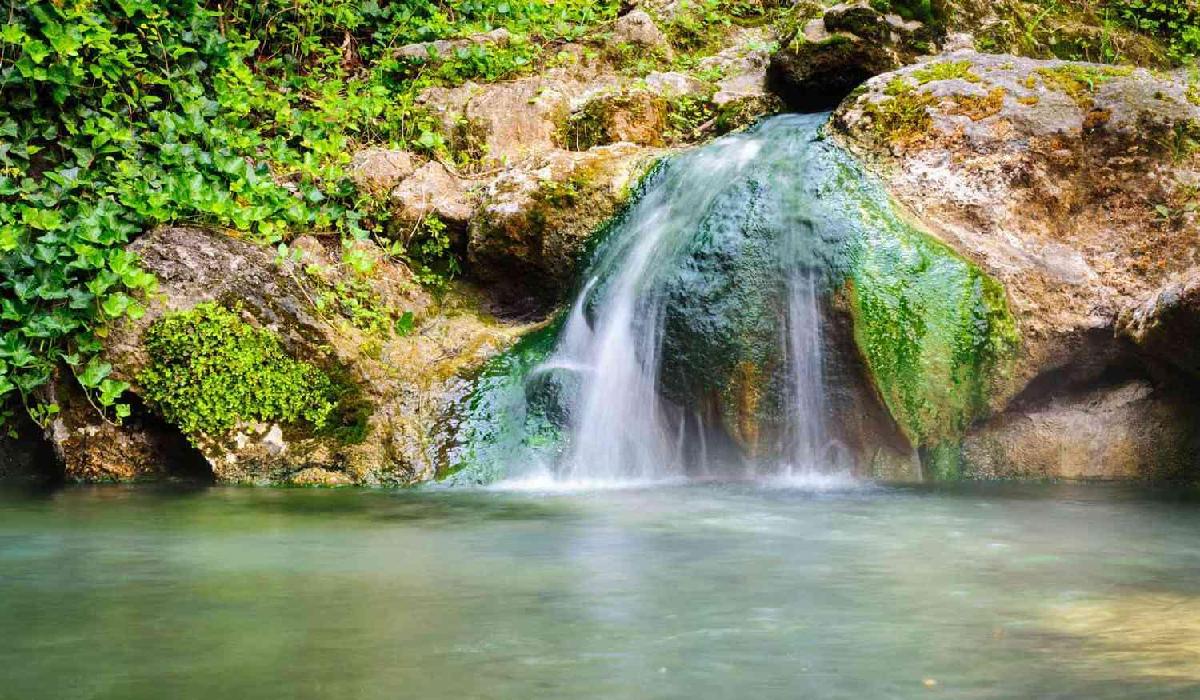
[684, 591]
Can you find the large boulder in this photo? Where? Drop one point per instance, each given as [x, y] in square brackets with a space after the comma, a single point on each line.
[1052, 178]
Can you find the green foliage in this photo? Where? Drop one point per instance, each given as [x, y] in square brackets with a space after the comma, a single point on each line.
[120, 115]
[210, 370]
[1144, 32]
[1176, 22]
[1081, 82]
[921, 10]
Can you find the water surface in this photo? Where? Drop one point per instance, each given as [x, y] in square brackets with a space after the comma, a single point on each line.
[685, 591]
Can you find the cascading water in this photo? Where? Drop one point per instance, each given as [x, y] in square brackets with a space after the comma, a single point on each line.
[719, 227]
[695, 346]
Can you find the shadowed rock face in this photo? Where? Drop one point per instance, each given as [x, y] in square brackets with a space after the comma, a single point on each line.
[1167, 324]
[831, 55]
[1125, 431]
[26, 458]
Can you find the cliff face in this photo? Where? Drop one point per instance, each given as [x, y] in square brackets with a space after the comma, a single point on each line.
[1060, 196]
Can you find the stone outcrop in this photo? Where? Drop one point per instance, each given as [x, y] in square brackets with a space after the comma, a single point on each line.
[1167, 324]
[1053, 178]
[532, 228]
[403, 383]
[437, 50]
[1122, 432]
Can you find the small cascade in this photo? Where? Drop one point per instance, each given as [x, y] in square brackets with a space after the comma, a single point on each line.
[700, 344]
[721, 232]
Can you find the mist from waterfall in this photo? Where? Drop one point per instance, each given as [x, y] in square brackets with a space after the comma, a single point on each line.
[613, 357]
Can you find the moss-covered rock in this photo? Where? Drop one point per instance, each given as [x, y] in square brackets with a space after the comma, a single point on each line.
[935, 331]
[1068, 184]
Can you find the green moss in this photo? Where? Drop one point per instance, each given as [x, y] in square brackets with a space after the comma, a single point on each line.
[979, 107]
[935, 330]
[945, 70]
[1081, 82]
[903, 118]
[499, 425]
[210, 370]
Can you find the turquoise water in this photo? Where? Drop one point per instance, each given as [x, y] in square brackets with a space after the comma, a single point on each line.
[687, 591]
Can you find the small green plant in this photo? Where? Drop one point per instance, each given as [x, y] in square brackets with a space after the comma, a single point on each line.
[210, 370]
[945, 70]
[1081, 82]
[1176, 22]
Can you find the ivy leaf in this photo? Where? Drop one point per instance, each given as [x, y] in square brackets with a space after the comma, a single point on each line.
[36, 50]
[94, 373]
[115, 305]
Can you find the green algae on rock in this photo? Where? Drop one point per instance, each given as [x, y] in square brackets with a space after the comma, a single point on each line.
[933, 328]
[498, 422]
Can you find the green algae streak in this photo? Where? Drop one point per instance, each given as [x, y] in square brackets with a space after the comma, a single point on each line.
[935, 330]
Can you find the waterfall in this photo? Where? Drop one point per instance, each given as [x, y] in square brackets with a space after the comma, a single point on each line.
[695, 346]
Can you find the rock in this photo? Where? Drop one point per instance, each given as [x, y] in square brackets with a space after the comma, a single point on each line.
[533, 225]
[743, 70]
[1045, 175]
[25, 456]
[638, 28]
[92, 449]
[399, 387]
[319, 477]
[435, 50]
[634, 116]
[673, 84]
[827, 58]
[378, 170]
[432, 189]
[1127, 431]
[1167, 324]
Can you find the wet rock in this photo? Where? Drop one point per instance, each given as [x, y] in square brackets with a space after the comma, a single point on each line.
[533, 225]
[1127, 431]
[1167, 324]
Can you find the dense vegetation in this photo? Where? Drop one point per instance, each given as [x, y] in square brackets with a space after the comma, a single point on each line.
[120, 115]
[212, 370]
